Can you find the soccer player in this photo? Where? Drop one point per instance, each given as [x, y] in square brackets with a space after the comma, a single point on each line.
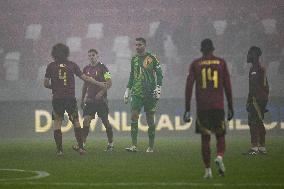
[59, 77]
[94, 98]
[144, 86]
[256, 102]
[212, 78]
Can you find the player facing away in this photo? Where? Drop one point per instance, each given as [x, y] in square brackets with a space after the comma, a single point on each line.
[144, 87]
[59, 77]
[94, 98]
[211, 78]
[256, 102]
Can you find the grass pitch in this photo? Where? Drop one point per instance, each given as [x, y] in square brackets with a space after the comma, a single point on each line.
[176, 163]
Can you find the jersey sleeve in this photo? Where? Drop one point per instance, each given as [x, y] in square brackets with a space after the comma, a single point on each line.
[191, 77]
[254, 80]
[227, 85]
[48, 72]
[106, 73]
[263, 82]
[158, 70]
[131, 76]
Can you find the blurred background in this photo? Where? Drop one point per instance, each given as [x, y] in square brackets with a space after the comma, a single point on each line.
[173, 30]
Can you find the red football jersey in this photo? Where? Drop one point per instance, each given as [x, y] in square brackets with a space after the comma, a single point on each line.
[212, 79]
[62, 78]
[98, 73]
[258, 84]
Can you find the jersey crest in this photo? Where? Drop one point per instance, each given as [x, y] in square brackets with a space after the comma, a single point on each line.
[148, 60]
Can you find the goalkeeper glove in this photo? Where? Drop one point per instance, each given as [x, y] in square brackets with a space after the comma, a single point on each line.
[186, 117]
[157, 92]
[126, 95]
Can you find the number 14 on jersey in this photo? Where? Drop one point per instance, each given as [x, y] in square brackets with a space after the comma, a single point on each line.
[209, 75]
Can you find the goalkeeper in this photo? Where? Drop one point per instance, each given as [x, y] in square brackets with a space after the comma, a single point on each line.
[144, 87]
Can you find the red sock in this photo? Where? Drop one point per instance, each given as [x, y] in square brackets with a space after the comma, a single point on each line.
[262, 133]
[220, 145]
[253, 135]
[78, 136]
[205, 140]
[57, 134]
[85, 133]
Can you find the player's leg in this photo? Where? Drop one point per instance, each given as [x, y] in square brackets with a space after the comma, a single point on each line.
[86, 127]
[262, 133]
[58, 134]
[134, 126]
[85, 131]
[261, 128]
[103, 114]
[203, 127]
[89, 113]
[57, 116]
[220, 144]
[150, 109]
[150, 117]
[72, 110]
[206, 154]
[217, 119]
[254, 133]
[136, 105]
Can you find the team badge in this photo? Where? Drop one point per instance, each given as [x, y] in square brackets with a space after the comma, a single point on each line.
[148, 60]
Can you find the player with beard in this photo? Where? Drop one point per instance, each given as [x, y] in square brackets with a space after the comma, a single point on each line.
[144, 88]
[256, 102]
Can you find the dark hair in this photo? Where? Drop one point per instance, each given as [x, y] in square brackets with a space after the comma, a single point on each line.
[257, 50]
[207, 46]
[60, 52]
[93, 50]
[143, 40]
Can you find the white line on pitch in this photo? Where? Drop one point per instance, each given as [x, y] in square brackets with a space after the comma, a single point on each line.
[142, 184]
[39, 174]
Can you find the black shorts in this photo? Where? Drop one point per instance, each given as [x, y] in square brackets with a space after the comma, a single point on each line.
[91, 109]
[68, 105]
[210, 121]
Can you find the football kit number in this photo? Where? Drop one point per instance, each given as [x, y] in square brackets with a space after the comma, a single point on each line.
[207, 75]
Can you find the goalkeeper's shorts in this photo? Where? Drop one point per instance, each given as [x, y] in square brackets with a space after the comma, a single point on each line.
[149, 104]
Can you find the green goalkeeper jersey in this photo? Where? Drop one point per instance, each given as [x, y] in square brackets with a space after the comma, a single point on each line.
[145, 74]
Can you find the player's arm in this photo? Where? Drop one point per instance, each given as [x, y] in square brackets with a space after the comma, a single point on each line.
[131, 76]
[84, 91]
[108, 81]
[86, 78]
[263, 80]
[158, 70]
[103, 91]
[159, 76]
[93, 81]
[129, 84]
[228, 91]
[188, 92]
[46, 83]
[189, 87]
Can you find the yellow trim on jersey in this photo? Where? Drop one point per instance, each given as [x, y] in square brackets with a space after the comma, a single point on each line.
[257, 108]
[209, 62]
